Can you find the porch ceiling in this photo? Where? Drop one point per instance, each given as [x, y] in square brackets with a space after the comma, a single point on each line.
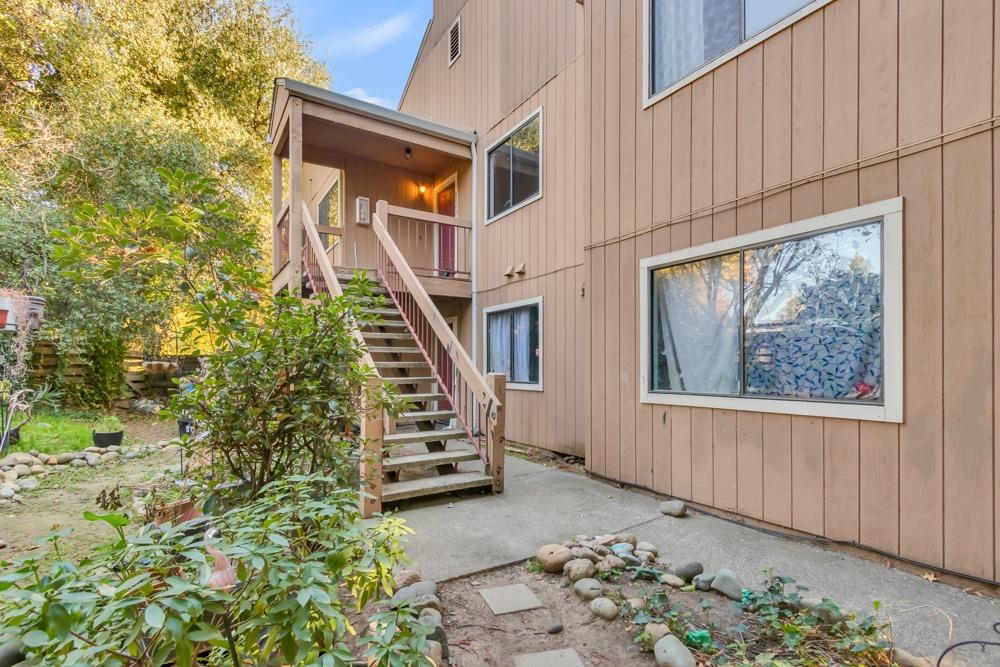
[335, 126]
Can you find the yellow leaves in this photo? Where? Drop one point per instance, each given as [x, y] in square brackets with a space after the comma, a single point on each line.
[930, 576]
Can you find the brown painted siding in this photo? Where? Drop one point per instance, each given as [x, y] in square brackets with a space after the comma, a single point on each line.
[826, 115]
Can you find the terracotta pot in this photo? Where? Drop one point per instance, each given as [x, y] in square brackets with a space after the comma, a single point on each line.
[177, 512]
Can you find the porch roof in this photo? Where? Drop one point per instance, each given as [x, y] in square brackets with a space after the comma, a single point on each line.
[334, 125]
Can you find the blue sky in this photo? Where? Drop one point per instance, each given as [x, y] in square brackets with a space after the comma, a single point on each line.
[368, 45]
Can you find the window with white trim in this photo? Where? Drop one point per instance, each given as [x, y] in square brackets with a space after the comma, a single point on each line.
[514, 168]
[808, 322]
[513, 342]
[686, 34]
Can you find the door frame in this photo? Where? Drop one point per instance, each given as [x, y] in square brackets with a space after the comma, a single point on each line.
[451, 180]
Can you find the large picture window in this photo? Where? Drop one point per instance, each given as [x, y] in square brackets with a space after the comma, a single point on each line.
[801, 318]
[513, 343]
[686, 34]
[514, 168]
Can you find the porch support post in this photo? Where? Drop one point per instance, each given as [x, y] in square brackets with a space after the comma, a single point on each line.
[277, 199]
[295, 226]
[495, 423]
[371, 453]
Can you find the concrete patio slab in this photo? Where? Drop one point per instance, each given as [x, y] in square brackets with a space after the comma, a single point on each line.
[509, 599]
[566, 657]
[542, 505]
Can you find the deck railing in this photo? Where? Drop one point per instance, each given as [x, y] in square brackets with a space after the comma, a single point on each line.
[474, 399]
[434, 245]
[281, 234]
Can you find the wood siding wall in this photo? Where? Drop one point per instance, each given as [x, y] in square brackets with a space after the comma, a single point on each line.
[516, 57]
[858, 102]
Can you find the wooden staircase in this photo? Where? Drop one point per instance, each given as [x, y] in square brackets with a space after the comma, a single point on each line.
[421, 455]
[450, 436]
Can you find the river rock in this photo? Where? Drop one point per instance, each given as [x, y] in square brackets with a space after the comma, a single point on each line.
[644, 556]
[676, 508]
[672, 580]
[620, 548]
[92, 459]
[727, 583]
[628, 538]
[600, 549]
[424, 601]
[657, 631]
[553, 557]
[578, 569]
[670, 651]
[28, 483]
[584, 552]
[78, 463]
[554, 629]
[687, 570]
[132, 455]
[431, 618]
[405, 577]
[8, 476]
[588, 589]
[95, 450]
[114, 448]
[646, 546]
[604, 608]
[615, 562]
[6, 492]
[109, 457]
[415, 590]
[38, 469]
[18, 458]
[66, 457]
[22, 470]
[703, 582]
[434, 652]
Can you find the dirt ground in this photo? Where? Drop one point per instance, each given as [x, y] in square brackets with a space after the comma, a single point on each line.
[478, 638]
[64, 495]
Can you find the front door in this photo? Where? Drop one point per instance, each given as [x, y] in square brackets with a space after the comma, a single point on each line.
[444, 203]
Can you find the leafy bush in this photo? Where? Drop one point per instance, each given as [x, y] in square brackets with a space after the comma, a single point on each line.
[274, 584]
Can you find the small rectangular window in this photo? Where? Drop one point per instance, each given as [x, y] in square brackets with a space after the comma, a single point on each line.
[686, 34]
[513, 343]
[454, 41]
[514, 168]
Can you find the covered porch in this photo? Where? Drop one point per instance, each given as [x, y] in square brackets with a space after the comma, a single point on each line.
[341, 165]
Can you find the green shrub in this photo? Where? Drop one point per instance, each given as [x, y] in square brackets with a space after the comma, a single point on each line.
[300, 553]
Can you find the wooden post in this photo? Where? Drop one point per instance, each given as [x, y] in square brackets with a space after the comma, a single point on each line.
[382, 211]
[277, 200]
[295, 227]
[495, 430]
[371, 456]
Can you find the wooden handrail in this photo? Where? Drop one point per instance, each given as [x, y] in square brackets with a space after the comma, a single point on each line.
[463, 363]
[281, 213]
[330, 278]
[427, 216]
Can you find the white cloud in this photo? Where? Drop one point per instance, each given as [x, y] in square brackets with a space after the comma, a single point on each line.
[362, 94]
[369, 39]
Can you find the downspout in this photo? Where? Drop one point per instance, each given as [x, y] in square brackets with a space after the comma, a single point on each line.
[475, 253]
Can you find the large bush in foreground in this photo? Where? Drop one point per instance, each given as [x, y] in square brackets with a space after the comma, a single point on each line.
[272, 586]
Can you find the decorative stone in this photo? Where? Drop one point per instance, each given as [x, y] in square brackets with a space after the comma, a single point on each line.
[38, 469]
[434, 652]
[18, 458]
[553, 557]
[554, 629]
[622, 548]
[132, 455]
[432, 618]
[588, 589]
[584, 552]
[646, 546]
[28, 483]
[687, 570]
[703, 582]
[604, 608]
[22, 470]
[6, 492]
[92, 459]
[114, 448]
[628, 538]
[670, 651]
[8, 476]
[644, 556]
[580, 539]
[110, 456]
[578, 569]
[672, 580]
[657, 631]
[66, 457]
[603, 565]
[727, 583]
[615, 562]
[78, 463]
[430, 615]
[676, 508]
[636, 603]
[600, 550]
[405, 577]
[424, 601]
[415, 590]
[52, 461]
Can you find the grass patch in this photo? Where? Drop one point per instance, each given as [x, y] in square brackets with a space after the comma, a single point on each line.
[53, 432]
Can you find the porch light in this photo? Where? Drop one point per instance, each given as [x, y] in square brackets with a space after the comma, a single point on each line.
[423, 189]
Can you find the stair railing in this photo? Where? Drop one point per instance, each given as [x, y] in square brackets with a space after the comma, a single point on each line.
[476, 401]
[323, 280]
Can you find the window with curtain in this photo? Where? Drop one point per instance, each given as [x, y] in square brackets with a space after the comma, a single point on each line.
[328, 210]
[513, 343]
[514, 168]
[686, 34]
[795, 319]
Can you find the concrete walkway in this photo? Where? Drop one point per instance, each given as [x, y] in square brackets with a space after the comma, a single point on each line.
[543, 505]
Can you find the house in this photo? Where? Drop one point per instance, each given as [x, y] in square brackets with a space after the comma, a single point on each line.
[737, 252]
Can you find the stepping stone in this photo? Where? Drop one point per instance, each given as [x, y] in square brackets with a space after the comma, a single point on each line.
[566, 657]
[508, 599]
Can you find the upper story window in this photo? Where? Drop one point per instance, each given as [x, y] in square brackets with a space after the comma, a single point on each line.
[805, 320]
[514, 168]
[454, 41]
[686, 34]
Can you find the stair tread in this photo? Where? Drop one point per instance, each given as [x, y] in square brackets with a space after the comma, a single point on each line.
[426, 486]
[426, 460]
[396, 324]
[409, 380]
[388, 349]
[424, 396]
[387, 335]
[423, 436]
[425, 415]
[401, 364]
[381, 311]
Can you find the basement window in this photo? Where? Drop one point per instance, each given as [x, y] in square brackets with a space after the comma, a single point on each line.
[454, 41]
[804, 321]
[513, 334]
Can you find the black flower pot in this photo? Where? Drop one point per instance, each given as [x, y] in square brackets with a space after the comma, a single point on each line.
[184, 427]
[112, 439]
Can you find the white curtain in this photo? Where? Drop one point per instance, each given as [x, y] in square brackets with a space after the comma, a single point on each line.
[698, 334]
[688, 33]
[522, 345]
[498, 358]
